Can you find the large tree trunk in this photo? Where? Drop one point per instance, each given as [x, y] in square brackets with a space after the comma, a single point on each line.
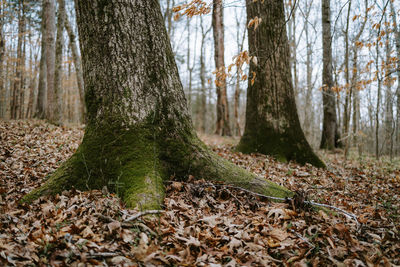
[272, 123]
[222, 126]
[50, 30]
[330, 135]
[139, 131]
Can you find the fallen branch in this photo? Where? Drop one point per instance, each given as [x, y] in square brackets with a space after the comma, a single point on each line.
[142, 213]
[346, 213]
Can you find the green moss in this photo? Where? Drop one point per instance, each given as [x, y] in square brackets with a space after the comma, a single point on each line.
[123, 160]
[284, 146]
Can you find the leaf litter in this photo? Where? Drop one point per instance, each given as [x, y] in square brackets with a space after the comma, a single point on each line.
[202, 224]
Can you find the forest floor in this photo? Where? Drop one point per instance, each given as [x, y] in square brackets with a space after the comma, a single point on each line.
[202, 224]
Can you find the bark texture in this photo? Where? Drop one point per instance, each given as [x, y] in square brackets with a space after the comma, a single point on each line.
[330, 134]
[272, 123]
[58, 92]
[50, 32]
[139, 131]
[222, 127]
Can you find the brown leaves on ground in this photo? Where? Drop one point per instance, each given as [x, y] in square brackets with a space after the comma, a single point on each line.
[203, 224]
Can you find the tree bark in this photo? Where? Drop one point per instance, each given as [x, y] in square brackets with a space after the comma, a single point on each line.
[17, 93]
[330, 134]
[41, 105]
[272, 123]
[222, 126]
[58, 90]
[78, 67]
[139, 131]
[3, 98]
[397, 42]
[50, 30]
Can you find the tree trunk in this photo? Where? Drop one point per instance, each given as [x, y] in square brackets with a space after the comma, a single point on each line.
[330, 137]
[203, 104]
[17, 94]
[348, 88]
[41, 105]
[49, 17]
[397, 42]
[222, 127]
[78, 69]
[272, 123]
[58, 90]
[3, 96]
[139, 131]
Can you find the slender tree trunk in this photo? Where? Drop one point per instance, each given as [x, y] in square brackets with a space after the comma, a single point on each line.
[50, 30]
[17, 93]
[58, 90]
[222, 126]
[272, 123]
[41, 105]
[139, 131]
[32, 82]
[354, 80]
[203, 82]
[397, 42]
[378, 101]
[329, 126]
[78, 69]
[3, 96]
[309, 69]
[347, 104]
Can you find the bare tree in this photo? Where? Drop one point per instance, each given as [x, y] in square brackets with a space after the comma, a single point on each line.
[222, 126]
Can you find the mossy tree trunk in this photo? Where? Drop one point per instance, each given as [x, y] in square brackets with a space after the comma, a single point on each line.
[330, 133]
[272, 123]
[139, 131]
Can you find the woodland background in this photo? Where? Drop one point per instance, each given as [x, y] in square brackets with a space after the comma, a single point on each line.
[365, 52]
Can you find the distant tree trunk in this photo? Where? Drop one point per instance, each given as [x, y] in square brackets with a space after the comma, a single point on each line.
[3, 96]
[50, 30]
[139, 131]
[41, 105]
[32, 82]
[378, 100]
[308, 107]
[78, 67]
[348, 92]
[354, 80]
[222, 126]
[388, 101]
[330, 135]
[58, 90]
[272, 123]
[397, 42]
[203, 82]
[240, 43]
[19, 76]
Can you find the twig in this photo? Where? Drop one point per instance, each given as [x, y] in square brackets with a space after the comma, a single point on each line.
[302, 238]
[140, 214]
[346, 213]
[102, 255]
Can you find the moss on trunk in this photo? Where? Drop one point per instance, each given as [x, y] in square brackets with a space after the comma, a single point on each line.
[139, 131]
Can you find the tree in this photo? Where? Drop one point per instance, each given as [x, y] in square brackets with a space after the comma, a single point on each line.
[41, 105]
[139, 131]
[223, 127]
[49, 35]
[58, 92]
[272, 123]
[330, 134]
